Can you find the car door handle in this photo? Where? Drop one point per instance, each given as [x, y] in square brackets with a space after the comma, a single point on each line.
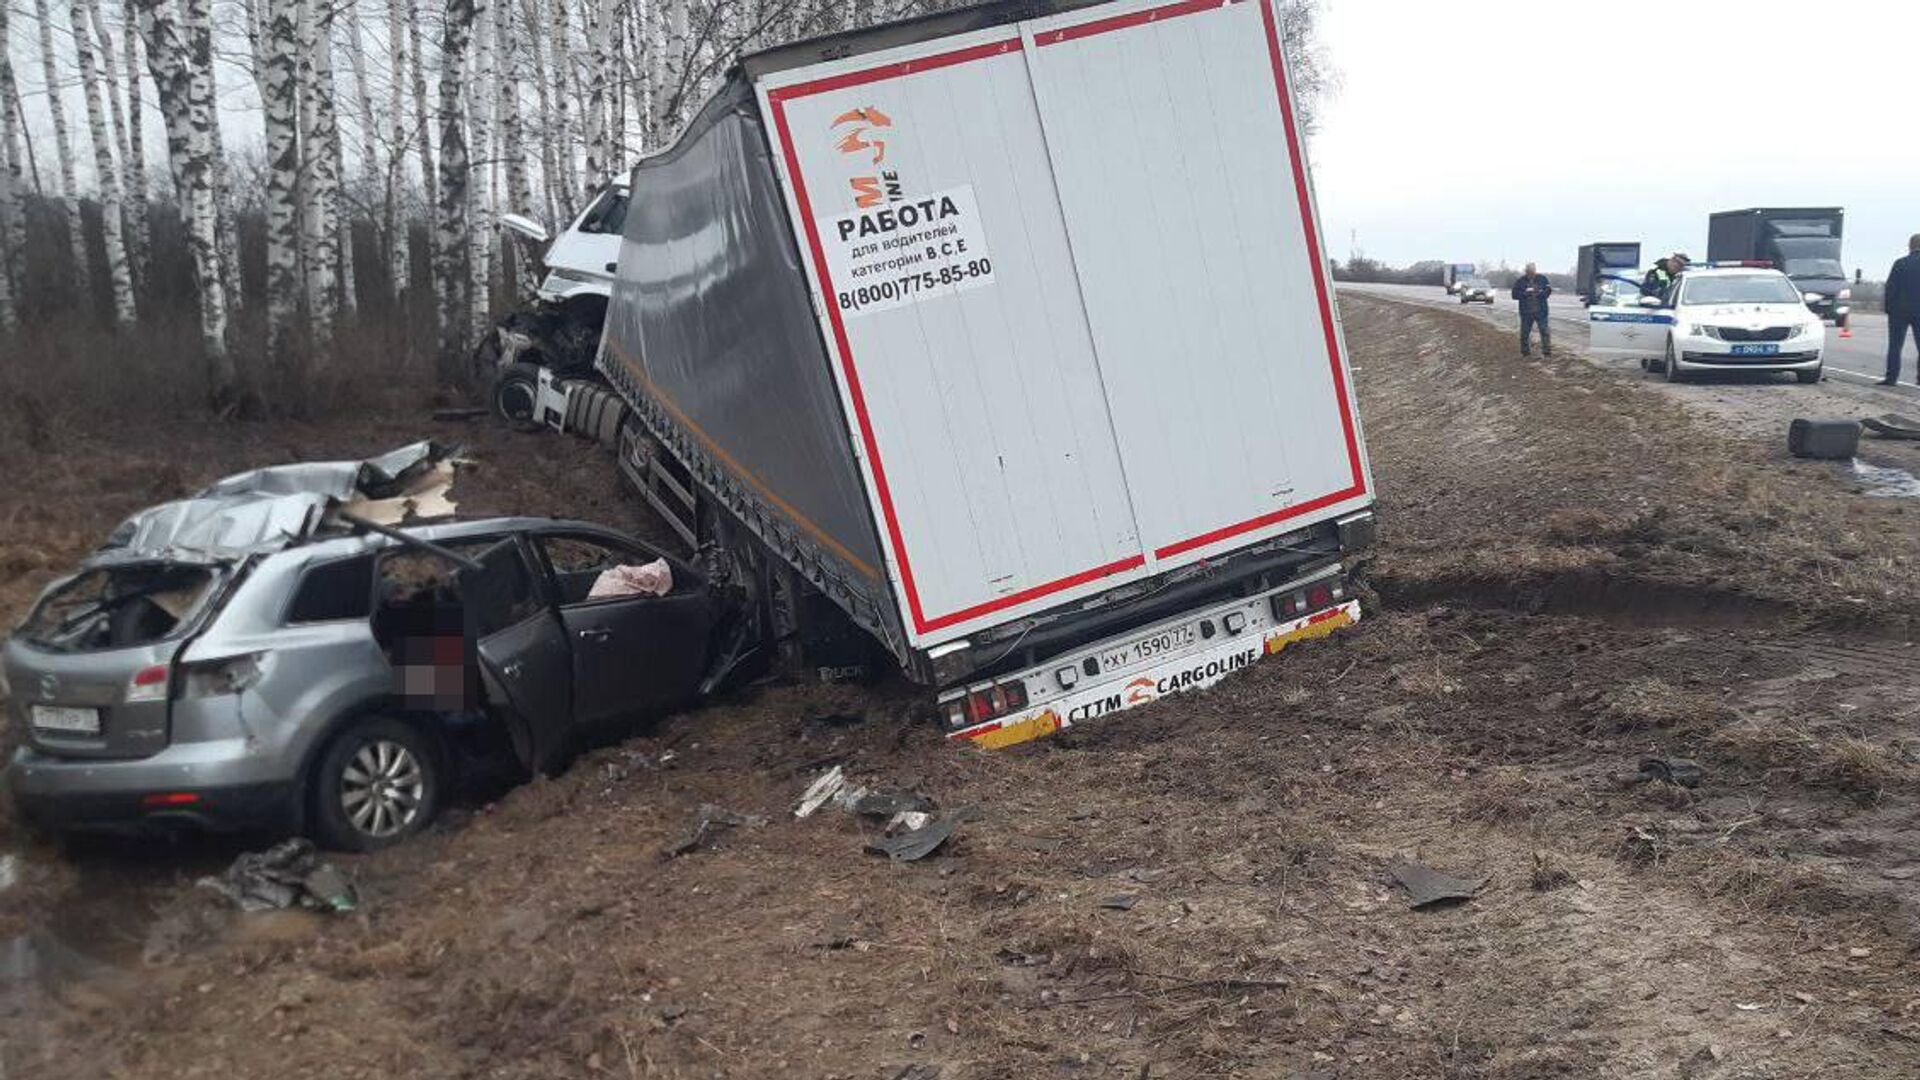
[595, 634]
[511, 669]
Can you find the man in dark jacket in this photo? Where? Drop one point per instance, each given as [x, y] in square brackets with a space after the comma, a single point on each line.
[1531, 289]
[1903, 309]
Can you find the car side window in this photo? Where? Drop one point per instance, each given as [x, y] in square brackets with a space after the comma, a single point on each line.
[334, 590]
[420, 580]
[577, 563]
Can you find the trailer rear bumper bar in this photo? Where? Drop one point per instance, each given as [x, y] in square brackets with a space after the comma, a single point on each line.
[1189, 652]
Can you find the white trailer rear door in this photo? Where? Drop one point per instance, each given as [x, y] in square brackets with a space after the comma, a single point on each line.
[1069, 275]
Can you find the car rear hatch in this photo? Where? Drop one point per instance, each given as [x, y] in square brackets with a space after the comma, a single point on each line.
[89, 669]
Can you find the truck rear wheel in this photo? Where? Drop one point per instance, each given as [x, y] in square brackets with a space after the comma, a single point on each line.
[516, 394]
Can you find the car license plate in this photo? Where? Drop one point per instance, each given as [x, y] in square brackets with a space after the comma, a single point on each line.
[66, 718]
[1148, 648]
[1756, 350]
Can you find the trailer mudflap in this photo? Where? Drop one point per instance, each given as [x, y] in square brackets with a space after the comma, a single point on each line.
[1194, 671]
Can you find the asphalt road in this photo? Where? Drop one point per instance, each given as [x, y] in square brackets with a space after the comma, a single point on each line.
[1860, 359]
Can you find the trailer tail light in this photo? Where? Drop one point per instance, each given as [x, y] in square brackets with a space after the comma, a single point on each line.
[148, 684]
[996, 701]
[1319, 596]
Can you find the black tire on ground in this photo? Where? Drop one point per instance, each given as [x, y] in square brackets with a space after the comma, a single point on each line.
[1670, 367]
[1810, 376]
[377, 783]
[516, 395]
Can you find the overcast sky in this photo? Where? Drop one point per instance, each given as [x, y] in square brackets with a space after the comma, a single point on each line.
[1483, 130]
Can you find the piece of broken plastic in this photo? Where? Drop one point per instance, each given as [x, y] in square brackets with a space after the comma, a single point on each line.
[1681, 771]
[918, 843]
[288, 874]
[1426, 886]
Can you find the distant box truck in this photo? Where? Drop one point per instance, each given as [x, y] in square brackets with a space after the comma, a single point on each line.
[1599, 262]
[926, 328]
[1804, 243]
[1458, 274]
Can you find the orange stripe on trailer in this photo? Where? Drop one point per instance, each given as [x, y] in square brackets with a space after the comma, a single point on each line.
[1002, 735]
[1320, 625]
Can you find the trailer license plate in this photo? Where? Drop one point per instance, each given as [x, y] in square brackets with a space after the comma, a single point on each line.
[65, 718]
[1756, 350]
[1148, 648]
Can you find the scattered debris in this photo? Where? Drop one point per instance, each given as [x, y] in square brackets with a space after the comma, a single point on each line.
[650, 579]
[288, 874]
[1893, 426]
[1832, 440]
[917, 1072]
[1426, 886]
[708, 819]
[1120, 902]
[470, 412]
[888, 804]
[831, 786]
[910, 845]
[1679, 771]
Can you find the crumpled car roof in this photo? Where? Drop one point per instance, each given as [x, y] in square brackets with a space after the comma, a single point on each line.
[264, 510]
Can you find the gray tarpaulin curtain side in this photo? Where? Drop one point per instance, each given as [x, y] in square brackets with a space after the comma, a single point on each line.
[711, 319]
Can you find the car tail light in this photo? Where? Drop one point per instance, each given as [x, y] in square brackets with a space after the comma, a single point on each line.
[148, 684]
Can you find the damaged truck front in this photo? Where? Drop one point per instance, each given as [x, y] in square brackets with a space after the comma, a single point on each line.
[1005, 335]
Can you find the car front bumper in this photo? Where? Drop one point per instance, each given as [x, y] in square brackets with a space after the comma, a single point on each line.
[1706, 354]
[170, 790]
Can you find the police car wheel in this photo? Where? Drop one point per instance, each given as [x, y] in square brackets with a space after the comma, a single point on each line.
[1671, 366]
[1806, 377]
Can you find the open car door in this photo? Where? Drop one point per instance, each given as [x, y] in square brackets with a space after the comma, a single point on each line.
[522, 652]
[633, 653]
[1619, 324]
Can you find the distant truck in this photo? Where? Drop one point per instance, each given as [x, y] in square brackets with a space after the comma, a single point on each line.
[923, 333]
[1804, 243]
[1458, 274]
[1600, 262]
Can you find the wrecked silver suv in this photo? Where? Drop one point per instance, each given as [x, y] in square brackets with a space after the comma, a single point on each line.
[292, 650]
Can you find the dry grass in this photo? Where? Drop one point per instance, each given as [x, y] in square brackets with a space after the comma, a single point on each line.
[1805, 755]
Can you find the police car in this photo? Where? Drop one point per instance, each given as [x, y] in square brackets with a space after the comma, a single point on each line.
[1716, 318]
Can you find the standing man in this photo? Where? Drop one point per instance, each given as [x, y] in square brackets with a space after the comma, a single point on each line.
[1531, 289]
[1903, 309]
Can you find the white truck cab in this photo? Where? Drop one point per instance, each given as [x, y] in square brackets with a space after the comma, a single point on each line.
[1716, 318]
[582, 259]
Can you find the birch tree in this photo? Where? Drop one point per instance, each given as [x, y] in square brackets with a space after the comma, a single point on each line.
[119, 274]
[13, 217]
[190, 144]
[319, 163]
[280, 98]
[512, 140]
[12, 221]
[68, 200]
[451, 249]
[422, 119]
[550, 179]
[399, 242]
[139, 219]
[481, 101]
[563, 94]
[204, 111]
[132, 192]
[599, 18]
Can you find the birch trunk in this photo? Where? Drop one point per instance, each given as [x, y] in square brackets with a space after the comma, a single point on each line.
[550, 182]
[206, 122]
[119, 274]
[138, 191]
[599, 16]
[280, 98]
[512, 139]
[317, 135]
[451, 250]
[614, 73]
[481, 100]
[422, 119]
[563, 95]
[369, 156]
[13, 217]
[132, 194]
[399, 245]
[69, 197]
[190, 147]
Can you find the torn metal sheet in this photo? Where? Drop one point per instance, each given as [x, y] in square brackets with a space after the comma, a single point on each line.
[1682, 771]
[708, 820]
[915, 844]
[268, 509]
[1426, 886]
[1893, 426]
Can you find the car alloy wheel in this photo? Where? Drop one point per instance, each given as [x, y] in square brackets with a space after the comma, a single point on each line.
[382, 789]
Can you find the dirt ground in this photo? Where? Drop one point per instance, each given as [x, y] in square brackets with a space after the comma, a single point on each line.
[1576, 573]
